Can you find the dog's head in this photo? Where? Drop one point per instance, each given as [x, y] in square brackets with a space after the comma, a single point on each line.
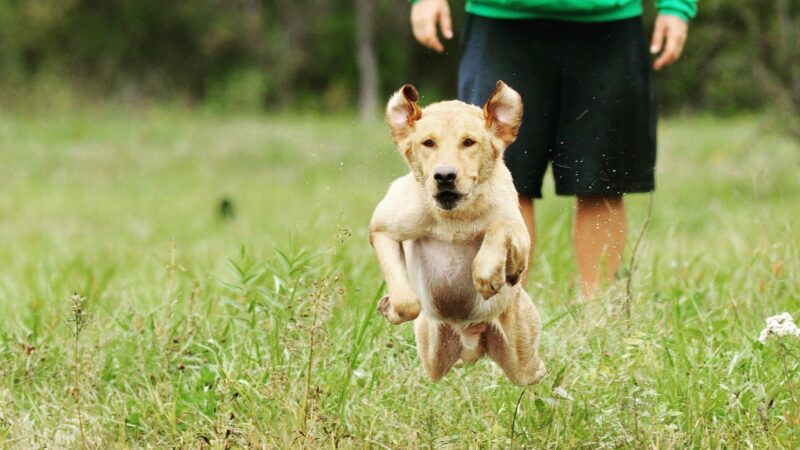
[452, 147]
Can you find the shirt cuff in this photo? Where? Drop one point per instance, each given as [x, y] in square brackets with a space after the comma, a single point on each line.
[677, 12]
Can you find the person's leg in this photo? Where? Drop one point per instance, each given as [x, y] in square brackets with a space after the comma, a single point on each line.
[599, 240]
[526, 208]
[528, 214]
[606, 145]
[520, 53]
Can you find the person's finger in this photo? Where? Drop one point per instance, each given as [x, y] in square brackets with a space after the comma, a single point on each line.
[417, 29]
[664, 60]
[445, 21]
[659, 30]
[418, 20]
[434, 44]
[425, 33]
[672, 50]
[681, 41]
[431, 39]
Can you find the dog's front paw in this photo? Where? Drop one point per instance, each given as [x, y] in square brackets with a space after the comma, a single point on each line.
[488, 278]
[516, 261]
[514, 277]
[515, 268]
[399, 308]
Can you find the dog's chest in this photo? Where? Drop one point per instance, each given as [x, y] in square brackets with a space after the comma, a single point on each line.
[441, 272]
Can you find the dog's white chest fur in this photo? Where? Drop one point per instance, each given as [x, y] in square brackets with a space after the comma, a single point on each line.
[440, 273]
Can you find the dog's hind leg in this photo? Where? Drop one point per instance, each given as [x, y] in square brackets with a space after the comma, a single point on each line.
[438, 346]
[513, 341]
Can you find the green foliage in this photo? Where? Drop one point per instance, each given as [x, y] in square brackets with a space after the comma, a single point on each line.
[201, 329]
[243, 90]
[278, 54]
[741, 55]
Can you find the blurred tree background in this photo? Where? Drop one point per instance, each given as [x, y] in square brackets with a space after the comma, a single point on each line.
[312, 55]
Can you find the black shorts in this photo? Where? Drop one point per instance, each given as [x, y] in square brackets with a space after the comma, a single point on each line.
[588, 101]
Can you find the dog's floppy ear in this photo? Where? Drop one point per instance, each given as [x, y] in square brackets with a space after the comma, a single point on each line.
[503, 113]
[402, 111]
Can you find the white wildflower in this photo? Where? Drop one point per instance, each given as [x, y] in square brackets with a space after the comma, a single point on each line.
[779, 326]
[562, 393]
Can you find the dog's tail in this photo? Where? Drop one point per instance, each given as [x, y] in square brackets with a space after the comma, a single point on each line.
[473, 341]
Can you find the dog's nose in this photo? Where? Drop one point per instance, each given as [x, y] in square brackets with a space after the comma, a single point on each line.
[445, 176]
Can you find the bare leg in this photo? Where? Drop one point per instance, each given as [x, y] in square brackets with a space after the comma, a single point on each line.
[528, 214]
[513, 341]
[599, 240]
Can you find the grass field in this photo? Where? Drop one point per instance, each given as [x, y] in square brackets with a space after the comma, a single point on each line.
[261, 330]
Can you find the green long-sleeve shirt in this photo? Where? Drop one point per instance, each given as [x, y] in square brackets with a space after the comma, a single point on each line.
[576, 10]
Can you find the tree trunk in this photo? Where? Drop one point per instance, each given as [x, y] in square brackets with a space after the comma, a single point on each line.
[367, 61]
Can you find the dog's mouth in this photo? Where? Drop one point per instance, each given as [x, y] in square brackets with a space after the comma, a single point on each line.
[447, 200]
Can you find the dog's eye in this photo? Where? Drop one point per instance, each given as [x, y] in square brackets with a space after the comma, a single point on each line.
[468, 142]
[428, 143]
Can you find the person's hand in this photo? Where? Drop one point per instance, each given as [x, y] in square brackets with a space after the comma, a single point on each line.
[673, 31]
[425, 15]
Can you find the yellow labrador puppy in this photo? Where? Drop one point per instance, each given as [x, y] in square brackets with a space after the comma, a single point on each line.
[450, 238]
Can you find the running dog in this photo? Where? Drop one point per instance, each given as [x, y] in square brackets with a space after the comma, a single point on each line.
[450, 238]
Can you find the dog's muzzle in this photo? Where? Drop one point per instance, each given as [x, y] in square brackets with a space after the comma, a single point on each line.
[447, 199]
[447, 196]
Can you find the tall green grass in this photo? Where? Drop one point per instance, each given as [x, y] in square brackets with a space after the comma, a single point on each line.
[260, 330]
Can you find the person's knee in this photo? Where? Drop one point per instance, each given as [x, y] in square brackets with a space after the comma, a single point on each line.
[525, 200]
[599, 201]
